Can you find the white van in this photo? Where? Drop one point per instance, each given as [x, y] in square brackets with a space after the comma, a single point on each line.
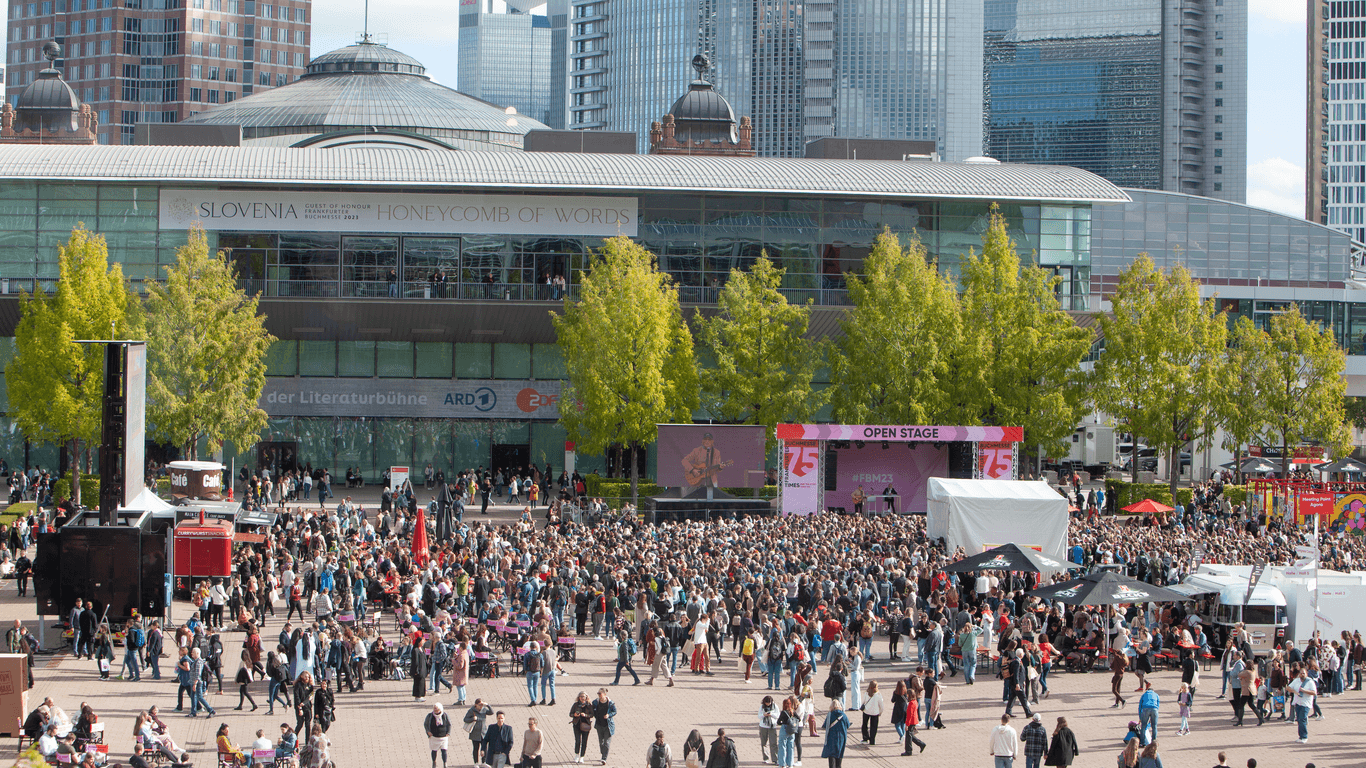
[1219, 603]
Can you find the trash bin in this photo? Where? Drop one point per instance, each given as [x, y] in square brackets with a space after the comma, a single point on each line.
[426, 291]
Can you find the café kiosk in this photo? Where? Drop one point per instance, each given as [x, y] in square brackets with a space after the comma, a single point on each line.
[202, 549]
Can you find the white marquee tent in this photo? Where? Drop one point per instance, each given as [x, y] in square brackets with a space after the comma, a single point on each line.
[981, 514]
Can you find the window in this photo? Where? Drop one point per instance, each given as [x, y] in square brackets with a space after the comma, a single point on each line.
[196, 25]
[107, 24]
[299, 15]
[1218, 34]
[213, 96]
[263, 78]
[213, 73]
[197, 71]
[280, 78]
[105, 46]
[299, 60]
[1218, 118]
[195, 95]
[104, 94]
[1218, 102]
[104, 70]
[1219, 169]
[104, 117]
[215, 50]
[1218, 85]
[232, 52]
[196, 49]
[1218, 68]
[298, 37]
[1218, 51]
[1219, 152]
[231, 75]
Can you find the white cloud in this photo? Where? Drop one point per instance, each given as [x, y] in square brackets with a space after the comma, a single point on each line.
[1276, 184]
[1285, 11]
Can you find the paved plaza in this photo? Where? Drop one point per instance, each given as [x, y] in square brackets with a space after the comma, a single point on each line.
[382, 725]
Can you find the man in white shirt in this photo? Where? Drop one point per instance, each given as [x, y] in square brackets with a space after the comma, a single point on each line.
[1305, 690]
[1005, 743]
[261, 743]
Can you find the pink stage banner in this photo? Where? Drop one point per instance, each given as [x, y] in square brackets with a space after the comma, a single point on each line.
[801, 477]
[897, 433]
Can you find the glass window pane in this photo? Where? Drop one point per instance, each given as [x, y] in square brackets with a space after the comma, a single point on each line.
[355, 449]
[282, 359]
[432, 445]
[315, 441]
[370, 266]
[317, 358]
[473, 361]
[549, 363]
[511, 361]
[356, 358]
[395, 359]
[394, 445]
[433, 360]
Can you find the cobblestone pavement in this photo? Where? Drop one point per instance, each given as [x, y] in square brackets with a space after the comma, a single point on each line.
[382, 726]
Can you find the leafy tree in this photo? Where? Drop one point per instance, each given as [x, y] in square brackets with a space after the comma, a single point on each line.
[1302, 384]
[903, 347]
[763, 363]
[1240, 409]
[1033, 347]
[55, 385]
[206, 352]
[628, 352]
[1163, 361]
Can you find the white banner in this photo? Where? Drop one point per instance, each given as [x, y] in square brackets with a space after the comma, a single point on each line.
[397, 477]
[1323, 619]
[801, 477]
[456, 214]
[1307, 552]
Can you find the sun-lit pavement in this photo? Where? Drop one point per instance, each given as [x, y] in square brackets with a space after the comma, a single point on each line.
[382, 726]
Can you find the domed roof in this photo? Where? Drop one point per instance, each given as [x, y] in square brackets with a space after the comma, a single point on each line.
[702, 114]
[372, 88]
[48, 92]
[365, 57]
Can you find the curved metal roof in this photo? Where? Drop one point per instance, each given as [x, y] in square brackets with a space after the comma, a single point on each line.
[368, 89]
[702, 114]
[360, 166]
[49, 91]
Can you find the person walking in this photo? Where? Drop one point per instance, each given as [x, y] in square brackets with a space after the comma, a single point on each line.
[437, 724]
[604, 721]
[1148, 705]
[1305, 690]
[532, 740]
[872, 711]
[1015, 678]
[531, 665]
[723, 754]
[789, 727]
[477, 720]
[581, 720]
[910, 722]
[836, 734]
[1035, 738]
[1062, 749]
[498, 742]
[1247, 685]
[626, 651]
[1004, 744]
[658, 754]
[1183, 703]
[418, 668]
[1118, 663]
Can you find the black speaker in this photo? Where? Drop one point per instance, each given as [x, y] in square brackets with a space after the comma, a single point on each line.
[113, 444]
[962, 461]
[832, 463]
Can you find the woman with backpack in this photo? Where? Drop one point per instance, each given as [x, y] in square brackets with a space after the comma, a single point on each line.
[836, 734]
[243, 680]
[789, 726]
[279, 684]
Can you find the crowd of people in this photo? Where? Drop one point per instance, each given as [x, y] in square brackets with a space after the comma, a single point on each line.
[804, 604]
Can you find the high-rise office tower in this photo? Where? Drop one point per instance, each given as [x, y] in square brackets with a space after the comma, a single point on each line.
[803, 69]
[629, 59]
[1336, 153]
[504, 57]
[1147, 93]
[159, 61]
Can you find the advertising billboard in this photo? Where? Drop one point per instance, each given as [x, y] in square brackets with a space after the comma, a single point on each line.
[693, 456]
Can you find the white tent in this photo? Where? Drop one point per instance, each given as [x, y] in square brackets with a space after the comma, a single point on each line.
[980, 514]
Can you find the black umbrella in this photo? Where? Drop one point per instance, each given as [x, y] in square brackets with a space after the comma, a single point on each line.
[1009, 557]
[1106, 588]
[1346, 464]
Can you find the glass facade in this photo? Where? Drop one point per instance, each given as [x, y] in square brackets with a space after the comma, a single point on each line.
[1345, 175]
[1146, 93]
[504, 59]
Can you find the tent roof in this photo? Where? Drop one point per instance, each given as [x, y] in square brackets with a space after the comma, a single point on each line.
[943, 487]
[148, 501]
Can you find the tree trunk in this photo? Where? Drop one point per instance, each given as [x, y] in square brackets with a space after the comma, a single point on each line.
[1285, 456]
[1238, 464]
[75, 449]
[635, 477]
[1173, 471]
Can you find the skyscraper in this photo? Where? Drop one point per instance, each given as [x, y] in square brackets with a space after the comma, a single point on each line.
[504, 58]
[159, 61]
[803, 69]
[1147, 93]
[1336, 151]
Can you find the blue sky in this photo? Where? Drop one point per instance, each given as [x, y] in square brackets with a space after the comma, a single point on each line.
[428, 30]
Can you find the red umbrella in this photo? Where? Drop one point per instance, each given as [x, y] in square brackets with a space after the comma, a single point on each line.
[420, 537]
[1146, 507]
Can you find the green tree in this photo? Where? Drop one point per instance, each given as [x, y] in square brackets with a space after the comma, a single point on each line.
[628, 352]
[1302, 384]
[762, 362]
[55, 385]
[1241, 409]
[1162, 367]
[1033, 347]
[206, 352]
[902, 359]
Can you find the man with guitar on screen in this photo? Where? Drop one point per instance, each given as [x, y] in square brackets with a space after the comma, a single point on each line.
[702, 464]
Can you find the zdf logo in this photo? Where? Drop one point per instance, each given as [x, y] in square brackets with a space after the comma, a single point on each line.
[529, 400]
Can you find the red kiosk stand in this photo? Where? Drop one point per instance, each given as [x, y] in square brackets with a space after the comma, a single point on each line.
[203, 549]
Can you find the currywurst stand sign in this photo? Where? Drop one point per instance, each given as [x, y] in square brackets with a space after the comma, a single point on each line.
[254, 211]
[436, 398]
